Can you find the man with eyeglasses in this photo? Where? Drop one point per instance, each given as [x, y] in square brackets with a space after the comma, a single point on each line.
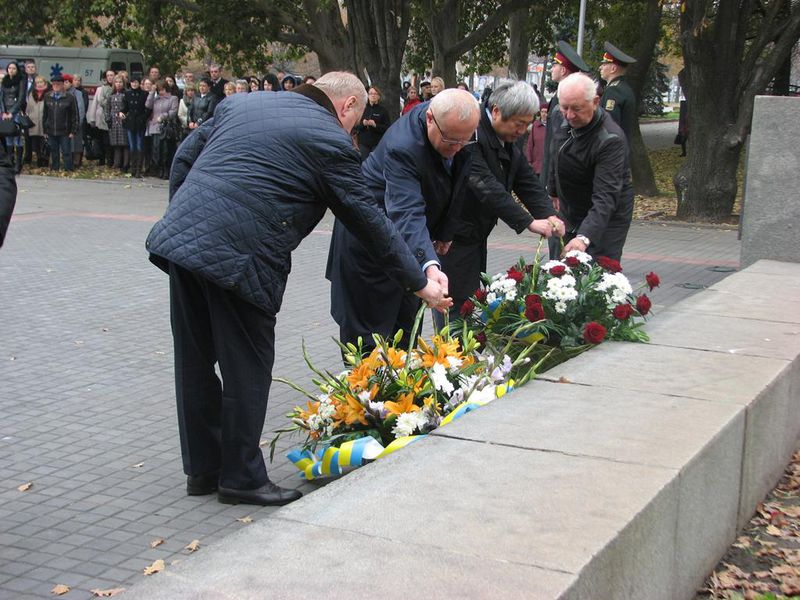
[417, 173]
[498, 168]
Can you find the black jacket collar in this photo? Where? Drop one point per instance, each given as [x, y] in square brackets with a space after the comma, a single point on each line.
[317, 95]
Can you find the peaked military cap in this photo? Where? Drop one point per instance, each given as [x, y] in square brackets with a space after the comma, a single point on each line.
[567, 57]
[615, 55]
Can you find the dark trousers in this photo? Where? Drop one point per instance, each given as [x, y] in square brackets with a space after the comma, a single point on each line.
[60, 144]
[220, 423]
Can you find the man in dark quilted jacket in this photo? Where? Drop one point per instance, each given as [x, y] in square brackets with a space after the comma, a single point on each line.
[246, 187]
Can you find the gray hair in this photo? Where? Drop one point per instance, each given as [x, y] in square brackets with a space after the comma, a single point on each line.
[453, 100]
[514, 99]
[581, 82]
[341, 84]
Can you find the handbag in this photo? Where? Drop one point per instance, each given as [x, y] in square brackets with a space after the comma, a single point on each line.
[8, 128]
[24, 121]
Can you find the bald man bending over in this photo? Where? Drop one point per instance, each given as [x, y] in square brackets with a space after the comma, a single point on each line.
[417, 174]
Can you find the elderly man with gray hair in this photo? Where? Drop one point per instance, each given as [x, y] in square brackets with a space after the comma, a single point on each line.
[498, 168]
[417, 173]
[233, 220]
[591, 179]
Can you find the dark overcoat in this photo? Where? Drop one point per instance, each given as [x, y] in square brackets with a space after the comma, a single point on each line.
[422, 194]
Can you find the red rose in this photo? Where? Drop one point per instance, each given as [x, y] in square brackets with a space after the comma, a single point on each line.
[609, 264]
[534, 312]
[515, 274]
[557, 270]
[652, 280]
[572, 261]
[480, 294]
[594, 333]
[643, 304]
[532, 299]
[622, 311]
[480, 337]
[467, 308]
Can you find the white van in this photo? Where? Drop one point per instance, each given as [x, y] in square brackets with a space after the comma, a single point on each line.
[90, 63]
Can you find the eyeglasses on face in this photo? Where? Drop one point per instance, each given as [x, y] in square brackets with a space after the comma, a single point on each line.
[471, 140]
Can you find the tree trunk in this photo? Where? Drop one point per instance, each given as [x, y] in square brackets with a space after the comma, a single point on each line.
[518, 45]
[780, 85]
[380, 31]
[730, 54]
[443, 27]
[331, 41]
[706, 185]
[644, 181]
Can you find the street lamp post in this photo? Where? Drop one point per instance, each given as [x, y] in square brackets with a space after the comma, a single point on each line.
[581, 23]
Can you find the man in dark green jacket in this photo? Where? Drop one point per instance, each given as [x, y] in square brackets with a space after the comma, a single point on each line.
[618, 99]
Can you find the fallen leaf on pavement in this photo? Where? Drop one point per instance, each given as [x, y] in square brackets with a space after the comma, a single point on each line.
[247, 519]
[193, 546]
[156, 543]
[107, 593]
[60, 589]
[772, 530]
[25, 487]
[156, 567]
[137, 465]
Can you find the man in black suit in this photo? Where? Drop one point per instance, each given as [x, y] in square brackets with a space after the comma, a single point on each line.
[417, 173]
[498, 168]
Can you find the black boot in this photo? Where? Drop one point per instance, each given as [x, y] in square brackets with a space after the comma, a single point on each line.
[20, 159]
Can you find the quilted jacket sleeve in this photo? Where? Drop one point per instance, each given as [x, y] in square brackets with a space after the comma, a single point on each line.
[187, 153]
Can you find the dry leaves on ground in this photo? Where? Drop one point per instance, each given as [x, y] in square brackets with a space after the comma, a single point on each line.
[107, 593]
[156, 567]
[247, 519]
[25, 487]
[60, 589]
[764, 563]
[193, 546]
[156, 543]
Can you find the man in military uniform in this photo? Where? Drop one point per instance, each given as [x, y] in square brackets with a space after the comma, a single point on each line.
[618, 99]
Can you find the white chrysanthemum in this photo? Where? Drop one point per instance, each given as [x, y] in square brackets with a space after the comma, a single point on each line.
[511, 294]
[553, 263]
[616, 286]
[454, 363]
[561, 307]
[439, 379]
[581, 256]
[567, 280]
[405, 425]
[491, 297]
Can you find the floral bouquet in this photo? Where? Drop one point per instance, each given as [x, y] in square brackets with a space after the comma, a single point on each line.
[389, 396]
[565, 306]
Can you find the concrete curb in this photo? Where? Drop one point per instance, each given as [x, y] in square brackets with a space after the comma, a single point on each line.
[628, 481]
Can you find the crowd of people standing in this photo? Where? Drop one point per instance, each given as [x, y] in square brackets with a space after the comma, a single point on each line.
[132, 124]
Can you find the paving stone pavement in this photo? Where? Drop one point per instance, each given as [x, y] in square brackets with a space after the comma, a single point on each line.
[86, 395]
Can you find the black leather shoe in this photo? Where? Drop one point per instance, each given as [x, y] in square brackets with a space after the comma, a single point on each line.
[201, 485]
[268, 494]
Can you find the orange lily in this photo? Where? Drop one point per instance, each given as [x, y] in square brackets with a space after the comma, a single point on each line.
[404, 404]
